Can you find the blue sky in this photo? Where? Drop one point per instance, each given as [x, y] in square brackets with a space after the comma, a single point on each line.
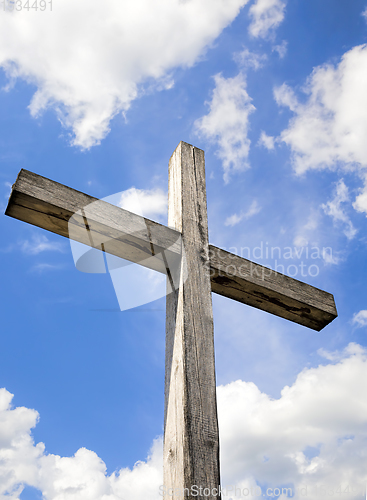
[97, 97]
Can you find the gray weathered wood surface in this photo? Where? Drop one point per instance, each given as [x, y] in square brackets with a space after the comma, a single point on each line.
[70, 213]
[191, 440]
[263, 288]
[194, 269]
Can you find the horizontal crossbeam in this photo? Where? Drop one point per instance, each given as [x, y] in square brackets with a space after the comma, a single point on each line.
[96, 223]
[78, 216]
[266, 289]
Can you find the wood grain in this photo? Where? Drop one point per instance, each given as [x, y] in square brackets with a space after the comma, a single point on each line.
[191, 441]
[76, 215]
[263, 288]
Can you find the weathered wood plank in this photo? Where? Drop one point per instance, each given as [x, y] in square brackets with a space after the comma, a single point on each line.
[70, 213]
[58, 208]
[191, 441]
[263, 288]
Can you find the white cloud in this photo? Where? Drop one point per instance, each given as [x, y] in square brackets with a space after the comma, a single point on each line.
[324, 411]
[90, 61]
[360, 203]
[40, 243]
[312, 221]
[285, 96]
[331, 257]
[246, 59]
[306, 231]
[350, 350]
[253, 210]
[68, 478]
[329, 130]
[9, 186]
[308, 236]
[266, 16]
[335, 210]
[263, 440]
[227, 122]
[267, 141]
[44, 267]
[281, 49]
[300, 241]
[236, 218]
[148, 203]
[364, 13]
[84, 476]
[18, 454]
[360, 318]
[331, 356]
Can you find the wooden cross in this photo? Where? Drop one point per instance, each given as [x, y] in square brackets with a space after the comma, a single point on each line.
[191, 440]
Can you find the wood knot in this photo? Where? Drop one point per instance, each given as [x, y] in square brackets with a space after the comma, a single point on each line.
[170, 455]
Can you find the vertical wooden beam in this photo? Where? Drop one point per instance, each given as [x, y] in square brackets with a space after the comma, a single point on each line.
[191, 441]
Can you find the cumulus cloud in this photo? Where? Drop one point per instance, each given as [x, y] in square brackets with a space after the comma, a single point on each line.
[18, 454]
[266, 16]
[360, 203]
[40, 243]
[45, 267]
[309, 233]
[329, 129]
[84, 476]
[227, 122]
[314, 435]
[89, 61]
[236, 218]
[22, 463]
[306, 231]
[331, 257]
[267, 141]
[281, 49]
[150, 203]
[360, 318]
[247, 59]
[335, 209]
[300, 241]
[350, 350]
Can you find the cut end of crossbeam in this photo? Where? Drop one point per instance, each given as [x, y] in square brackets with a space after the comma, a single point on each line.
[12, 197]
